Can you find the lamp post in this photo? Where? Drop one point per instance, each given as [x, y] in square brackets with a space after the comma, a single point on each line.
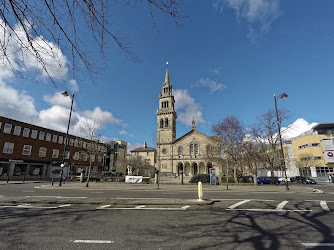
[282, 96]
[65, 93]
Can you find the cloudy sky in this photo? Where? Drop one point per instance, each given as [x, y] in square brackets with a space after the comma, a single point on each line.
[229, 58]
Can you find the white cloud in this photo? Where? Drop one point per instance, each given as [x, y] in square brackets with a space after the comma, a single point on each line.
[73, 85]
[124, 132]
[100, 116]
[260, 14]
[209, 83]
[20, 56]
[187, 107]
[16, 104]
[298, 127]
[58, 99]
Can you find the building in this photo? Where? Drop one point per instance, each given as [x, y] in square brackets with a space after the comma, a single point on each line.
[148, 155]
[313, 152]
[191, 153]
[117, 152]
[34, 151]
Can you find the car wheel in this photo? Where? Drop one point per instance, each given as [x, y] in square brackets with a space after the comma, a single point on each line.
[261, 183]
[277, 183]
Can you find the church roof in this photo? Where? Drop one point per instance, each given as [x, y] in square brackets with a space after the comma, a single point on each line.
[143, 149]
[191, 132]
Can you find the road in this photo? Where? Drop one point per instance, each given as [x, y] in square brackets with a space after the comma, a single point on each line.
[237, 220]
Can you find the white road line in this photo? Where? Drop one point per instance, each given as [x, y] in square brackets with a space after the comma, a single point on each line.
[146, 208]
[105, 206]
[93, 241]
[324, 206]
[141, 206]
[238, 204]
[318, 244]
[239, 200]
[58, 197]
[185, 207]
[281, 205]
[24, 206]
[319, 200]
[269, 210]
[65, 205]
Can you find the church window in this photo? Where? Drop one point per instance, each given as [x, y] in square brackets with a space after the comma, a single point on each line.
[191, 149]
[167, 104]
[166, 123]
[161, 123]
[196, 149]
[180, 150]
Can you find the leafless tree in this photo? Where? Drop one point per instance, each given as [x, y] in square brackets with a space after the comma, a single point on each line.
[232, 134]
[41, 29]
[91, 131]
[265, 134]
[307, 161]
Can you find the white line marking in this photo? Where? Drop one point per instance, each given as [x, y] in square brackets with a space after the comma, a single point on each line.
[141, 206]
[281, 205]
[105, 206]
[324, 206]
[58, 197]
[93, 241]
[185, 207]
[238, 204]
[239, 200]
[65, 205]
[319, 200]
[318, 244]
[23, 206]
[269, 210]
[144, 208]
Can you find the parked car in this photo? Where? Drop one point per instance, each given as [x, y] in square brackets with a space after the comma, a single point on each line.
[282, 179]
[309, 181]
[267, 180]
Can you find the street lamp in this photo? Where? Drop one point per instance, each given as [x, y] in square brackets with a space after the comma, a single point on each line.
[65, 93]
[282, 96]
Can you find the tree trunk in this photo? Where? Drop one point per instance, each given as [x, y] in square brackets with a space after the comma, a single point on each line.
[90, 167]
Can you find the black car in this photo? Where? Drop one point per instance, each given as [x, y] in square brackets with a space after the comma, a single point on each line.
[309, 181]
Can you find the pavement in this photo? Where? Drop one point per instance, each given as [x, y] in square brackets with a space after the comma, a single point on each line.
[294, 188]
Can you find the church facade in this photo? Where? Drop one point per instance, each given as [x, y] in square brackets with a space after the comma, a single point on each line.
[193, 153]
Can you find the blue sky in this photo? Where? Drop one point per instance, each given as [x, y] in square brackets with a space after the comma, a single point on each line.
[229, 58]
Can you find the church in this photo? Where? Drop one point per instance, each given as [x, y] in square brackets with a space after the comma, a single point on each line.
[193, 153]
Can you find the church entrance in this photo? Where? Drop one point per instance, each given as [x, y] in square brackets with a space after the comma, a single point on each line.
[195, 166]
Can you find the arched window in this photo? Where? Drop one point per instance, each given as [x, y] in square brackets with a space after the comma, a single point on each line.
[180, 151]
[166, 123]
[162, 105]
[161, 123]
[167, 104]
[191, 149]
[196, 149]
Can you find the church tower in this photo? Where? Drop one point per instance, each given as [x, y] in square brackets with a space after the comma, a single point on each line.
[166, 115]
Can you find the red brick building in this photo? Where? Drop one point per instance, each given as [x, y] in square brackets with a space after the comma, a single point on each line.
[30, 150]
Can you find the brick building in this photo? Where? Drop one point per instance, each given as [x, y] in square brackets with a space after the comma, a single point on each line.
[34, 151]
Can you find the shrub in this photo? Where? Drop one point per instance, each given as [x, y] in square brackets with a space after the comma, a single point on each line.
[204, 178]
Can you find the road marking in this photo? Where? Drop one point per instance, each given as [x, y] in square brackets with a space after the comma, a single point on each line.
[281, 205]
[27, 206]
[93, 241]
[238, 204]
[239, 200]
[185, 207]
[269, 210]
[65, 205]
[319, 200]
[58, 197]
[324, 206]
[143, 207]
[105, 206]
[318, 244]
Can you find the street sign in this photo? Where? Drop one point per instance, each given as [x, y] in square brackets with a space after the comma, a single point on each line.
[212, 176]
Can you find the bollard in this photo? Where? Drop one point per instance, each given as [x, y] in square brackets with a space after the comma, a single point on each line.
[200, 191]
[52, 180]
[156, 177]
[181, 176]
[7, 179]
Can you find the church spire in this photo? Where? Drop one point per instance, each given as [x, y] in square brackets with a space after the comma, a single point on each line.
[167, 76]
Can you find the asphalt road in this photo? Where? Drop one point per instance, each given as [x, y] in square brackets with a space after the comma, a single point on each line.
[234, 220]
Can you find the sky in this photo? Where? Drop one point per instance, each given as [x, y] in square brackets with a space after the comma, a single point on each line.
[229, 58]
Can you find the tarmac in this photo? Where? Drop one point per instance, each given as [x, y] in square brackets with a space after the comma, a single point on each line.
[112, 186]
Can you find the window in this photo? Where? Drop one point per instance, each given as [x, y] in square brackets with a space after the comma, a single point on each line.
[76, 156]
[67, 155]
[161, 123]
[85, 157]
[99, 158]
[8, 128]
[66, 140]
[26, 132]
[8, 148]
[71, 142]
[166, 123]
[55, 153]
[0, 124]
[196, 149]
[191, 149]
[80, 144]
[17, 130]
[26, 150]
[60, 140]
[84, 145]
[92, 158]
[48, 137]
[42, 152]
[180, 151]
[54, 138]
[34, 134]
[76, 143]
[41, 135]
